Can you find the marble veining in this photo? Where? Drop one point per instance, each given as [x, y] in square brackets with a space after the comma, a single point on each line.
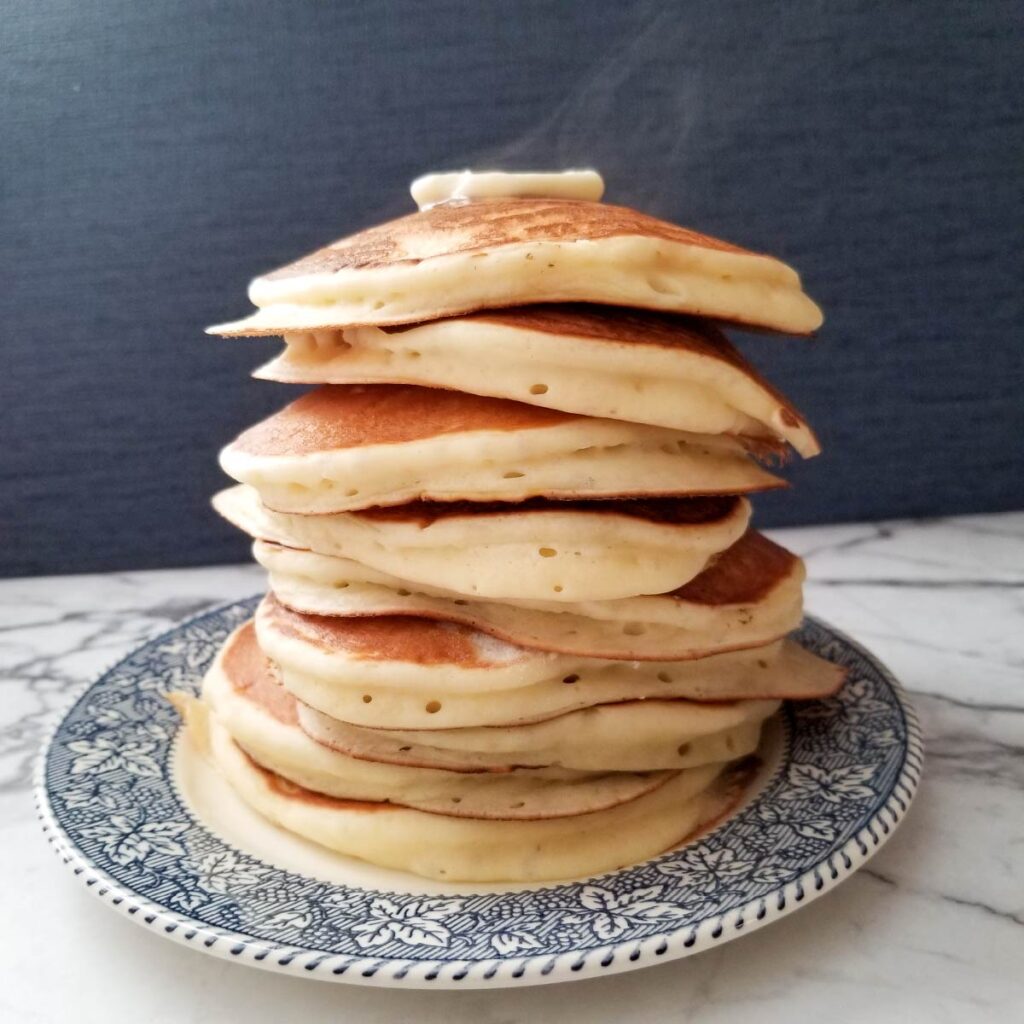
[930, 930]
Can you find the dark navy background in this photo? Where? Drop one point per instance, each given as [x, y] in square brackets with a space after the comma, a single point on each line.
[155, 156]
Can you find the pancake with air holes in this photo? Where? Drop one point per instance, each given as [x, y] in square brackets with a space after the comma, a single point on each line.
[405, 673]
[463, 256]
[635, 735]
[667, 371]
[450, 848]
[534, 550]
[243, 687]
[344, 448]
[748, 596]
[243, 695]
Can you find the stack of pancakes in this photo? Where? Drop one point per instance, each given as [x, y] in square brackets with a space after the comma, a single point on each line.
[518, 625]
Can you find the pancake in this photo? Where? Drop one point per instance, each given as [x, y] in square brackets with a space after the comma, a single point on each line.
[635, 735]
[750, 595]
[628, 736]
[533, 550]
[651, 368]
[401, 673]
[245, 698]
[450, 848]
[341, 449]
[463, 256]
[394, 652]
[242, 688]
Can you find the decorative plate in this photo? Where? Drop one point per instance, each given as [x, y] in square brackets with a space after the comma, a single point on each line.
[123, 807]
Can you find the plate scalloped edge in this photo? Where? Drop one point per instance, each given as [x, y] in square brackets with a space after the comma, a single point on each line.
[610, 958]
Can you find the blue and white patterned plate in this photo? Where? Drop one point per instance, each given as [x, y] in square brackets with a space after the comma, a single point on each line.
[117, 806]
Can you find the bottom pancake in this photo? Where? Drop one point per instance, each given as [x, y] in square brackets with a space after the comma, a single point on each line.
[474, 850]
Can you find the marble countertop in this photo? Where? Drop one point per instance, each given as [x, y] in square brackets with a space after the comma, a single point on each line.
[931, 930]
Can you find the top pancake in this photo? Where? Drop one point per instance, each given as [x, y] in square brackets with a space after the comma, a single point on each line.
[462, 256]
[473, 226]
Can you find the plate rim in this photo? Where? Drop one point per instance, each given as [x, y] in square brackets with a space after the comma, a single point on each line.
[609, 958]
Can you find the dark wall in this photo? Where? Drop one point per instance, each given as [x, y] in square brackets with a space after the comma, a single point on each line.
[155, 156]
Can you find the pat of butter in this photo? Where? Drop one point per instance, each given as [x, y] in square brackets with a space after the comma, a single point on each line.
[432, 189]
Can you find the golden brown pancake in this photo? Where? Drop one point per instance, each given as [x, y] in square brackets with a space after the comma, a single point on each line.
[750, 596]
[742, 574]
[459, 257]
[252, 675]
[459, 227]
[637, 327]
[616, 325]
[340, 416]
[249, 710]
[449, 848]
[342, 448]
[538, 550]
[400, 638]
[412, 673]
[649, 742]
[637, 735]
[610, 363]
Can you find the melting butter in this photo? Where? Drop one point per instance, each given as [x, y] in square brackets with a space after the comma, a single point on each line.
[431, 189]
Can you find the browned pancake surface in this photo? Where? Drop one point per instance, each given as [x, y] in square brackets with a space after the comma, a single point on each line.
[666, 511]
[252, 676]
[742, 574]
[632, 327]
[283, 787]
[613, 323]
[354, 415]
[468, 226]
[400, 638]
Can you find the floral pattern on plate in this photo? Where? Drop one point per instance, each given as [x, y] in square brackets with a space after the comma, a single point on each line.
[108, 800]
